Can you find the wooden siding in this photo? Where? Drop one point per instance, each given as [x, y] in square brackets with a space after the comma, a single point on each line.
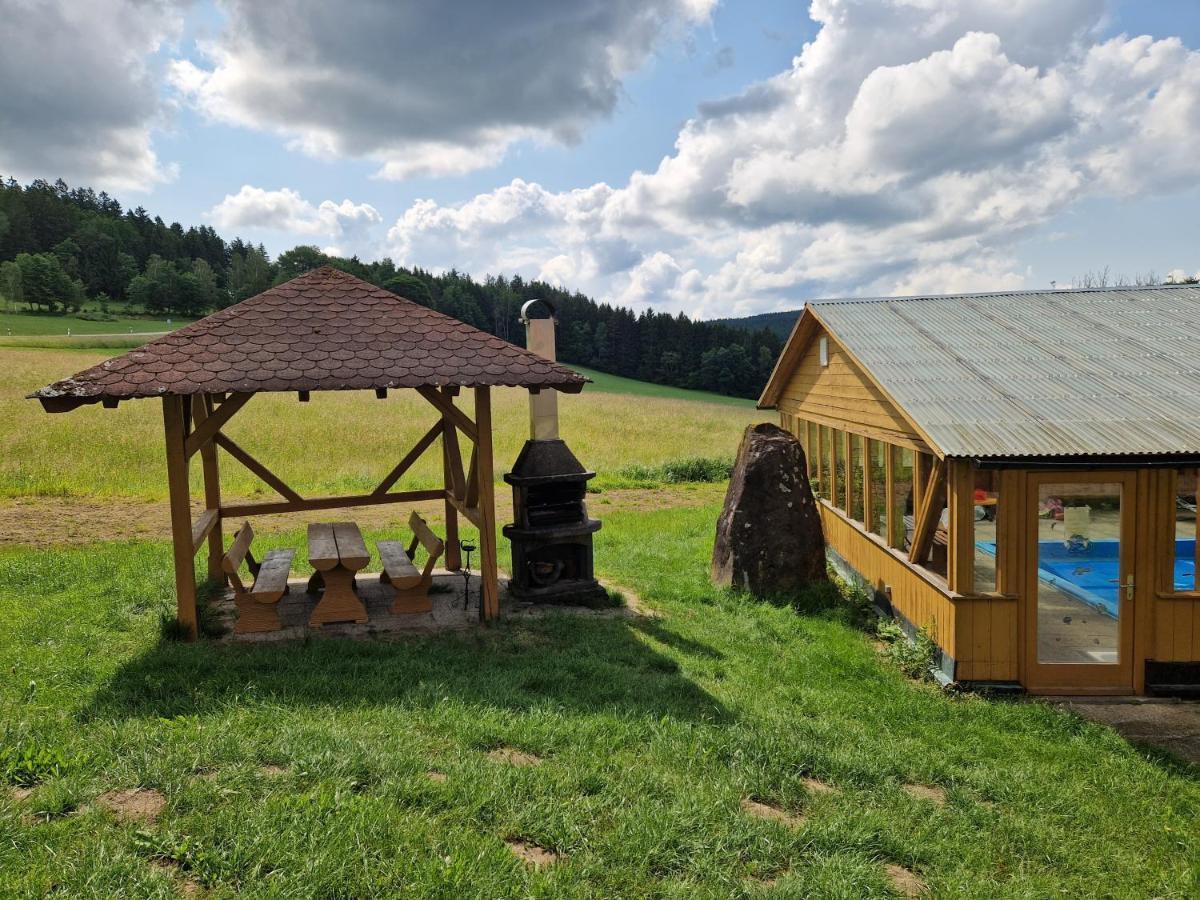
[840, 394]
[914, 594]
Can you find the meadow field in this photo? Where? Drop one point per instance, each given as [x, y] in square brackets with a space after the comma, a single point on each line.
[336, 443]
[694, 744]
[24, 323]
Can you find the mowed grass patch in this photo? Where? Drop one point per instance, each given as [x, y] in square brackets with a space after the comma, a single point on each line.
[336, 443]
[37, 324]
[615, 384]
[303, 770]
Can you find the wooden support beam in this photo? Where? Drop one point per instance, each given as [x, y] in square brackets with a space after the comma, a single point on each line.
[453, 548]
[471, 514]
[922, 463]
[960, 561]
[216, 419]
[203, 527]
[931, 511]
[256, 467]
[315, 503]
[445, 405]
[417, 451]
[181, 516]
[457, 480]
[489, 600]
[472, 495]
[203, 412]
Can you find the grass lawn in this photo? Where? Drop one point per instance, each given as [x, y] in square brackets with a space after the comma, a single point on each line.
[302, 770]
[37, 324]
[337, 443]
[615, 384]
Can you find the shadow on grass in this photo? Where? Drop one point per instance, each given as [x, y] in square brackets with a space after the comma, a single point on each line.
[578, 662]
[655, 629]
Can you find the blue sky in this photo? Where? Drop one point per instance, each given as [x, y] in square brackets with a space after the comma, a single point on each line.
[674, 154]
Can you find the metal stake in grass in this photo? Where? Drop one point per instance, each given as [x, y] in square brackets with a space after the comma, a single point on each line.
[466, 574]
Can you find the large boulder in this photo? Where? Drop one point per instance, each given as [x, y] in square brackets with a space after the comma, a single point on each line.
[769, 537]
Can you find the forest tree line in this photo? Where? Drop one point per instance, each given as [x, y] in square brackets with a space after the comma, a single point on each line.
[62, 248]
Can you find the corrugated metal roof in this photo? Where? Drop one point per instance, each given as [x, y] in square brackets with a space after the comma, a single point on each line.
[1036, 373]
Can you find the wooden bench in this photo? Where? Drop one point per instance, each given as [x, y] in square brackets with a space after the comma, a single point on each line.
[411, 584]
[256, 606]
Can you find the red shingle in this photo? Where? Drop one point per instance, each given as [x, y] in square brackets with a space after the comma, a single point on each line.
[323, 331]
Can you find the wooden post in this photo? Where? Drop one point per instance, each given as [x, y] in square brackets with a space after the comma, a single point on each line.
[181, 515]
[490, 593]
[960, 565]
[201, 410]
[453, 551]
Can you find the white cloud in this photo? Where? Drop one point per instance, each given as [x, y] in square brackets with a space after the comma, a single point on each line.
[347, 223]
[908, 148]
[425, 88]
[79, 99]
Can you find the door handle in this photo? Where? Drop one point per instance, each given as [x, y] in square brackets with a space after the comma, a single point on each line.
[1129, 588]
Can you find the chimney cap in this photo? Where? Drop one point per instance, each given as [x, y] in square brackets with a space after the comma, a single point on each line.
[546, 303]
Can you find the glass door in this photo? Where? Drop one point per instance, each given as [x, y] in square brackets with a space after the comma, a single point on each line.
[1079, 596]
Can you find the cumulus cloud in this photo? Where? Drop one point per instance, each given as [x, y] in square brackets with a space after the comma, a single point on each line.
[425, 88]
[347, 224]
[907, 148]
[79, 99]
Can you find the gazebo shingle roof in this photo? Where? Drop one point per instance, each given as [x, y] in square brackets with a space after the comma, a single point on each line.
[323, 331]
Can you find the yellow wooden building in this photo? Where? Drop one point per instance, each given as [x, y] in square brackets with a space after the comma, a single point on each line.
[1015, 473]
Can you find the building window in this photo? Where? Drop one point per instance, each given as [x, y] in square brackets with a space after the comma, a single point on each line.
[987, 515]
[901, 514]
[823, 349]
[838, 453]
[812, 452]
[826, 470]
[855, 476]
[877, 476]
[1185, 557]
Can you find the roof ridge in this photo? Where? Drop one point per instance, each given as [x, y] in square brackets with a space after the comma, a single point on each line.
[1016, 292]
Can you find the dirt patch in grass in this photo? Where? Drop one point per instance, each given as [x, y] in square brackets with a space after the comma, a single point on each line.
[905, 882]
[20, 794]
[436, 777]
[771, 813]
[816, 786]
[272, 771]
[531, 854]
[74, 520]
[134, 805]
[188, 887]
[514, 757]
[931, 792]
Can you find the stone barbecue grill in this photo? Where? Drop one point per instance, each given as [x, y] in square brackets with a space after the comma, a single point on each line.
[552, 534]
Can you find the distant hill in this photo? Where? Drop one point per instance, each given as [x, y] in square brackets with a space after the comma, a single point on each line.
[778, 322]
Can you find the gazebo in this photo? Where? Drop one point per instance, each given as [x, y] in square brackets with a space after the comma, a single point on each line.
[323, 331]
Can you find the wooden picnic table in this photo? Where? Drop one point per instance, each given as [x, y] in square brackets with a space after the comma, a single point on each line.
[336, 551]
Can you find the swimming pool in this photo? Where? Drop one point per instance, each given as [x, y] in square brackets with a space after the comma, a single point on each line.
[1090, 574]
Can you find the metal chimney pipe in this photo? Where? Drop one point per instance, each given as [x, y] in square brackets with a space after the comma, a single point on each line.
[543, 405]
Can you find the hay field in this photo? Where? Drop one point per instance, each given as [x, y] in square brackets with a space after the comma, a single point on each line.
[335, 443]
